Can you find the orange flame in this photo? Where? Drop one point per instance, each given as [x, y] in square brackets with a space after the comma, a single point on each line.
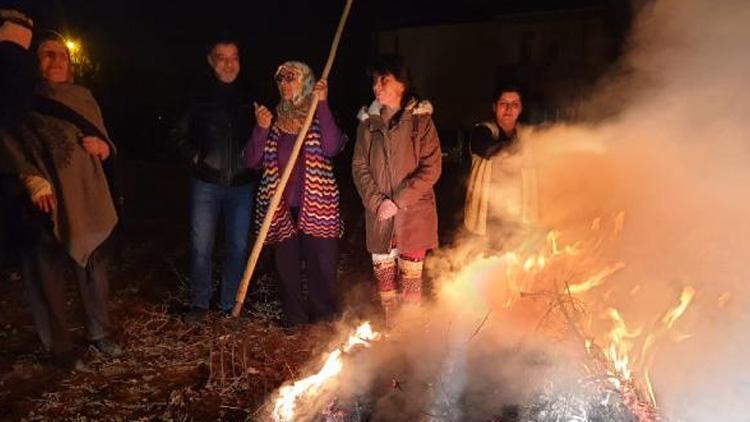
[620, 343]
[668, 321]
[596, 279]
[685, 298]
[583, 263]
[284, 408]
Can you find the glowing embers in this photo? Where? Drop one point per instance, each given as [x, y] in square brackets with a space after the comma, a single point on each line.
[290, 395]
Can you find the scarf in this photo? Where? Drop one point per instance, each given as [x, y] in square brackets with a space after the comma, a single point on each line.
[319, 214]
[291, 114]
[46, 143]
[479, 185]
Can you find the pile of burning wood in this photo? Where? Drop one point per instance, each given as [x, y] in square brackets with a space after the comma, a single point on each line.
[558, 283]
[316, 398]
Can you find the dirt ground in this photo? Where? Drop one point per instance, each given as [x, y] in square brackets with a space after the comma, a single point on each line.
[222, 369]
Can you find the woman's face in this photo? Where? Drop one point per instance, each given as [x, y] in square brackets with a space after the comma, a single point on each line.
[507, 109]
[388, 90]
[54, 61]
[289, 82]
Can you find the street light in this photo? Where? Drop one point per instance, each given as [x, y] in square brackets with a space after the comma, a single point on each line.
[81, 64]
[72, 45]
[77, 53]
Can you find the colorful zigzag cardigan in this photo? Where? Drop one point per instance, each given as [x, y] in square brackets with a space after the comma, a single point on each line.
[319, 214]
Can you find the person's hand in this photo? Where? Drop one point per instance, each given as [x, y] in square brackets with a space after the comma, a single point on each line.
[96, 147]
[321, 88]
[262, 116]
[46, 203]
[387, 210]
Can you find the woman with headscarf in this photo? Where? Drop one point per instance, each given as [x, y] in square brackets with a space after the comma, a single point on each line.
[396, 163]
[56, 150]
[306, 225]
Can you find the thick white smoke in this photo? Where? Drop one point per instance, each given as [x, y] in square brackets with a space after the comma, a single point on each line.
[676, 161]
[685, 149]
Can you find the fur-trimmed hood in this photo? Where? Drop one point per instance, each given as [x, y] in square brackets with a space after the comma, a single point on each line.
[416, 107]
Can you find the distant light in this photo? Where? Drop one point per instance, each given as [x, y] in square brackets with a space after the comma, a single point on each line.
[72, 45]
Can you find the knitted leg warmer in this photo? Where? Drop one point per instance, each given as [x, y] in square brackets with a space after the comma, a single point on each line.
[384, 268]
[410, 274]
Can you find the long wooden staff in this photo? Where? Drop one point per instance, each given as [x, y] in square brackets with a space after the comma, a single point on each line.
[276, 198]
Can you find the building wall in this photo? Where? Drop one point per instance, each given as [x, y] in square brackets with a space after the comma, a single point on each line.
[555, 56]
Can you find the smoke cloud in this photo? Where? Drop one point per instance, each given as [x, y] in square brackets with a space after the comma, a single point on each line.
[672, 168]
[680, 166]
[676, 160]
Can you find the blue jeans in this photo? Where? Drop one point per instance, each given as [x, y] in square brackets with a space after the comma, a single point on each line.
[207, 201]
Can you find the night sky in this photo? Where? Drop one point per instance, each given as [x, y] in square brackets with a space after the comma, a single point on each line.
[150, 53]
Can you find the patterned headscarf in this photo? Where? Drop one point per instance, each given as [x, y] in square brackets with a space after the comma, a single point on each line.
[291, 114]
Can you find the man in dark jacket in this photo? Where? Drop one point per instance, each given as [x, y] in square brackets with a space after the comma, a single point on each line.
[210, 138]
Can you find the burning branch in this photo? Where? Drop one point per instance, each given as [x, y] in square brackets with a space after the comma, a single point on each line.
[310, 387]
[612, 354]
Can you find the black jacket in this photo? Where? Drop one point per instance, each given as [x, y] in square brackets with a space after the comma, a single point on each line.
[17, 77]
[210, 136]
[487, 139]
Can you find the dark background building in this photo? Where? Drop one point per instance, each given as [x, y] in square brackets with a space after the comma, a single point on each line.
[147, 55]
[553, 55]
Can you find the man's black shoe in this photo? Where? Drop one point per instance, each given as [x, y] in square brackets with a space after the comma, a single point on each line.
[195, 315]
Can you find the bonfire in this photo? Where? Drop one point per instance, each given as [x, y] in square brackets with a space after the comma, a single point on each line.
[561, 286]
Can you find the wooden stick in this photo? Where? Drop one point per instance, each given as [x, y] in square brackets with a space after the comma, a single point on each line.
[276, 198]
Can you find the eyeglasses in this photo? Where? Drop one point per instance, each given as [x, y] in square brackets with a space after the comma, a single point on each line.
[287, 77]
